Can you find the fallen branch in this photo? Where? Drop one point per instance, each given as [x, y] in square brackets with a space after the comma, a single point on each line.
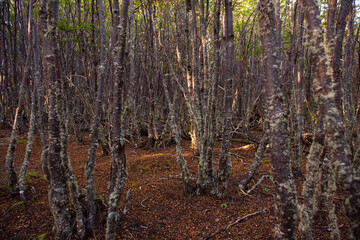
[257, 184]
[234, 223]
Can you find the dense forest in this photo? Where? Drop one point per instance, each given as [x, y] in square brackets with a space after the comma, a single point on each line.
[197, 77]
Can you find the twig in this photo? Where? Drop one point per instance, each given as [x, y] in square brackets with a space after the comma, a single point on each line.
[243, 192]
[143, 202]
[234, 223]
[257, 184]
[127, 203]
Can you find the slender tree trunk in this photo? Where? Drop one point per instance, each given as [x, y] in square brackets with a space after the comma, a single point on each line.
[286, 204]
[40, 83]
[118, 158]
[10, 171]
[257, 160]
[225, 163]
[338, 50]
[96, 122]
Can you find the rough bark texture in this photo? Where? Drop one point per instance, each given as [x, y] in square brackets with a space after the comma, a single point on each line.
[40, 82]
[118, 158]
[58, 193]
[224, 162]
[285, 201]
[339, 149]
[96, 122]
[9, 165]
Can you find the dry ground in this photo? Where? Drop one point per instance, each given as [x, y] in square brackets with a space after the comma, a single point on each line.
[159, 208]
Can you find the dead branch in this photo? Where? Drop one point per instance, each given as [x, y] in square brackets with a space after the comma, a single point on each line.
[234, 223]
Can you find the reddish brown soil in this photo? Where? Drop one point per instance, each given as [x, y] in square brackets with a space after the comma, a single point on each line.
[159, 208]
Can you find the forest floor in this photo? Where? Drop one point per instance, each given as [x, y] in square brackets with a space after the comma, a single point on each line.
[159, 209]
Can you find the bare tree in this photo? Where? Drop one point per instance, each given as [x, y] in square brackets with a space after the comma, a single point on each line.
[339, 149]
[118, 158]
[286, 204]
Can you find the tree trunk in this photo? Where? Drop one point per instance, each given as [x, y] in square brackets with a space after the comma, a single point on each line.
[225, 161]
[58, 193]
[340, 152]
[118, 158]
[96, 122]
[286, 204]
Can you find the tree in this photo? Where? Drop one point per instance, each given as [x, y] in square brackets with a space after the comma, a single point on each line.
[286, 204]
[338, 147]
[118, 158]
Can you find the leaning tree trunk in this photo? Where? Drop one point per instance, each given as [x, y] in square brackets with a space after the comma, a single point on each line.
[10, 171]
[286, 205]
[118, 158]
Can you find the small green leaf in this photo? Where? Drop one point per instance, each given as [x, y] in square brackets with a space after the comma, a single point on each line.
[144, 167]
[224, 205]
[17, 205]
[40, 237]
[241, 211]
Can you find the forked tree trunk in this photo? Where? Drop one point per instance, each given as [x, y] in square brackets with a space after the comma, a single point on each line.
[9, 165]
[96, 122]
[286, 204]
[339, 149]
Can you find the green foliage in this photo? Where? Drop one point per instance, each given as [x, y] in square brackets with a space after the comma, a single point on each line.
[34, 199]
[267, 161]
[266, 189]
[134, 185]
[143, 167]
[223, 205]
[66, 27]
[40, 237]
[33, 174]
[24, 140]
[17, 205]
[241, 211]
[43, 178]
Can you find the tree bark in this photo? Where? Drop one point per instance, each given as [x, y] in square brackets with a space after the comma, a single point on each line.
[96, 122]
[340, 152]
[286, 204]
[58, 193]
[118, 158]
[225, 161]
